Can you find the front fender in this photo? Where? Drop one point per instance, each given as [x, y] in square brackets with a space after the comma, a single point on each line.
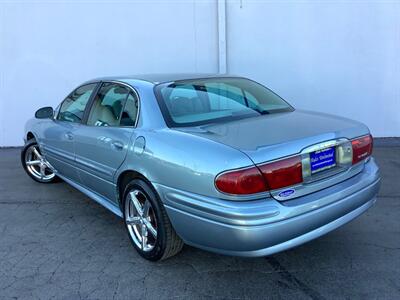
[31, 126]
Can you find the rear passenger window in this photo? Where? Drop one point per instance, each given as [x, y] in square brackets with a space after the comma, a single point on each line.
[73, 106]
[114, 105]
[129, 113]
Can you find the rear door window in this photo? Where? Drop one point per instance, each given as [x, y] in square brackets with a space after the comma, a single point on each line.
[129, 114]
[108, 104]
[114, 105]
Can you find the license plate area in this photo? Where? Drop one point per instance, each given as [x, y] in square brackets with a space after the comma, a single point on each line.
[325, 174]
[323, 159]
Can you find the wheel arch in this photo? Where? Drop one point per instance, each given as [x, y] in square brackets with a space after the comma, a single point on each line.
[124, 178]
[30, 135]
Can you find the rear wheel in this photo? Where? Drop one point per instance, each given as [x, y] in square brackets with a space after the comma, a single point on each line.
[35, 165]
[147, 223]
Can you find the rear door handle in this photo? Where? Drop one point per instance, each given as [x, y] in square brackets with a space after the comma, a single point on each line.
[69, 135]
[117, 145]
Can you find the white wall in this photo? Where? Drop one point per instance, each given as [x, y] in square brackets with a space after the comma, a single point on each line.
[48, 48]
[334, 56]
[340, 57]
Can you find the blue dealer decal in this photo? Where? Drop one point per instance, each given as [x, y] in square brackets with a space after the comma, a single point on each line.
[286, 193]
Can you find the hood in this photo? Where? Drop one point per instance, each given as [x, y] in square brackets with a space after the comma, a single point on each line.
[273, 136]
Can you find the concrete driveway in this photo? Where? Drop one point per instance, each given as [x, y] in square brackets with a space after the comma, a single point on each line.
[57, 243]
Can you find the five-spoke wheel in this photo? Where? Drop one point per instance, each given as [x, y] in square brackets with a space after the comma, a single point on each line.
[140, 220]
[147, 222]
[35, 164]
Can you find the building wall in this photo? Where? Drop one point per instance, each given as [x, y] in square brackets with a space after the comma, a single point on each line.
[48, 48]
[340, 57]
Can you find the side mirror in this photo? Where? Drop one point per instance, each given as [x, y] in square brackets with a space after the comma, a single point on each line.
[44, 113]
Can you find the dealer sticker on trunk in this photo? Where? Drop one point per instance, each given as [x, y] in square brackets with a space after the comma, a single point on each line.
[286, 193]
[322, 159]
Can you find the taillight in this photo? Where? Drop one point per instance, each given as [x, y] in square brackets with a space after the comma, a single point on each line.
[269, 176]
[362, 148]
[282, 173]
[241, 182]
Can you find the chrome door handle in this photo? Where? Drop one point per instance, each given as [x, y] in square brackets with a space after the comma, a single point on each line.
[117, 145]
[69, 135]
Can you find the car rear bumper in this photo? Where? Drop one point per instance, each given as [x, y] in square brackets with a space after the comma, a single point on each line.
[263, 227]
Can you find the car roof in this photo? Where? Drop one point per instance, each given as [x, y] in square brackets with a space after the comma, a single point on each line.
[163, 77]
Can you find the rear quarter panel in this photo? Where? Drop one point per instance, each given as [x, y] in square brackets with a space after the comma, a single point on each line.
[182, 161]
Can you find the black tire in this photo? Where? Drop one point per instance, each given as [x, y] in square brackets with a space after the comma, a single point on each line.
[168, 243]
[29, 144]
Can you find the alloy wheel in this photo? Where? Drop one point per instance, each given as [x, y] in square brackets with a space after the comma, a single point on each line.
[141, 220]
[37, 165]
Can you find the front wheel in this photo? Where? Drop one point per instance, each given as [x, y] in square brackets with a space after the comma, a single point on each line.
[35, 165]
[147, 223]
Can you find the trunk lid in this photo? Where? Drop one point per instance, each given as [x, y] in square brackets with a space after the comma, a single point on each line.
[274, 136]
[270, 137]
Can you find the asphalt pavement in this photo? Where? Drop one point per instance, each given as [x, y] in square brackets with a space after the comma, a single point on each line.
[57, 243]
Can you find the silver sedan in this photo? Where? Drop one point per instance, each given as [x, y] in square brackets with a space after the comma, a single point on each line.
[217, 162]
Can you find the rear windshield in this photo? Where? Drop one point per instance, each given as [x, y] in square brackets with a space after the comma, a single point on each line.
[211, 100]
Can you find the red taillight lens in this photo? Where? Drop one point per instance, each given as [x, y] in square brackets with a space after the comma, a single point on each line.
[241, 182]
[362, 148]
[283, 172]
[270, 176]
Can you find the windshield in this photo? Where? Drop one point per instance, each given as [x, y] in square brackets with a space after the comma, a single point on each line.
[210, 100]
